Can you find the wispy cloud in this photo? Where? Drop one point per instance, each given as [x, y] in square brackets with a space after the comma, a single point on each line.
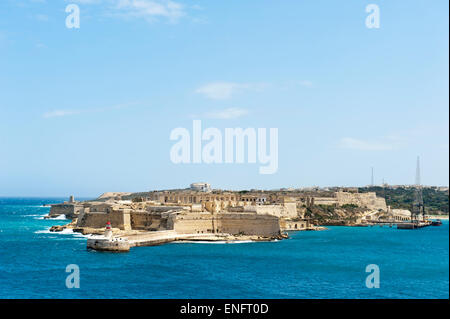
[86, 1]
[42, 17]
[225, 90]
[364, 145]
[146, 9]
[63, 113]
[224, 114]
[40, 45]
[306, 84]
[230, 113]
[431, 135]
[150, 9]
[59, 113]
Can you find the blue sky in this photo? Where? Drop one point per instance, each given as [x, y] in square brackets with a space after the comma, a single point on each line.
[89, 110]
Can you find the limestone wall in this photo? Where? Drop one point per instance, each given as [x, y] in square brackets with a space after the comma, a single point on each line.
[294, 225]
[118, 219]
[161, 209]
[367, 200]
[325, 201]
[93, 220]
[261, 220]
[231, 223]
[70, 210]
[193, 223]
[288, 210]
[248, 224]
[146, 221]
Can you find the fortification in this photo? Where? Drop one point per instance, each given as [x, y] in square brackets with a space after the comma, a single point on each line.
[70, 209]
[367, 200]
[228, 223]
[201, 211]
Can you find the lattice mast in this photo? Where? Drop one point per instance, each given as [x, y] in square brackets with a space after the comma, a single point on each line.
[418, 207]
[371, 180]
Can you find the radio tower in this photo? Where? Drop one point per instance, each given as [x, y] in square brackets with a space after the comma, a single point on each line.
[418, 172]
[418, 207]
[371, 181]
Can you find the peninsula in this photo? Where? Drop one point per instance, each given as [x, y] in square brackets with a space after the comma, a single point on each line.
[199, 213]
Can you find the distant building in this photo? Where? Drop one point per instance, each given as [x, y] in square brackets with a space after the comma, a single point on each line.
[201, 187]
[349, 189]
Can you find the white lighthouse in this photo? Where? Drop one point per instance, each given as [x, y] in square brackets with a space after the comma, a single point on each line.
[107, 242]
[108, 230]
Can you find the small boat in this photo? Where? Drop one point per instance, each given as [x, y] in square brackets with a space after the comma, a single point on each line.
[437, 222]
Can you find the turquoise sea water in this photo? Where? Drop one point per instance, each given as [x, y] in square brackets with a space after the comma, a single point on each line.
[326, 264]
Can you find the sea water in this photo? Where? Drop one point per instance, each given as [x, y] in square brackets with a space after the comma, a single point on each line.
[320, 264]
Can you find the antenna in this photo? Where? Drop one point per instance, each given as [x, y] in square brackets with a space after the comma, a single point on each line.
[372, 178]
[418, 172]
[418, 206]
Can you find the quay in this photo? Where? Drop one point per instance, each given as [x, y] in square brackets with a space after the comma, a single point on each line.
[414, 225]
[123, 243]
[155, 238]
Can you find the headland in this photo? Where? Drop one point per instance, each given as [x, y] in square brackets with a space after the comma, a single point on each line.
[199, 213]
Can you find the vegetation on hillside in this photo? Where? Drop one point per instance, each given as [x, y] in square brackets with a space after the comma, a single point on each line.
[332, 215]
[435, 201]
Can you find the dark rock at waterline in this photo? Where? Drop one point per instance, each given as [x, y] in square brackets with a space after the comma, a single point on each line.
[57, 228]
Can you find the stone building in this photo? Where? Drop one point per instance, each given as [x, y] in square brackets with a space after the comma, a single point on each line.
[366, 200]
[70, 209]
[182, 219]
[201, 187]
[228, 223]
[201, 210]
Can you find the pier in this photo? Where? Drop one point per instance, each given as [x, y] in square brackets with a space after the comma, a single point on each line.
[123, 243]
[155, 238]
[415, 224]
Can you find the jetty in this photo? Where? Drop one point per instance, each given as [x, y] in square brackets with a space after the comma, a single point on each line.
[414, 225]
[123, 243]
[152, 238]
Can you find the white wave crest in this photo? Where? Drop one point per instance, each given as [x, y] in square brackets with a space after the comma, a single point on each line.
[60, 217]
[67, 231]
[214, 242]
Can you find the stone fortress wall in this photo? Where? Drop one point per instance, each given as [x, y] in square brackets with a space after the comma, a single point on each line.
[119, 219]
[233, 199]
[183, 221]
[288, 210]
[70, 210]
[367, 200]
[206, 211]
[229, 223]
